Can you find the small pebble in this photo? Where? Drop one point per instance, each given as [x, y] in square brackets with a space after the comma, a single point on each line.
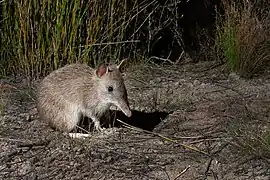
[233, 77]
[158, 80]
[177, 83]
[196, 82]
[170, 91]
[190, 85]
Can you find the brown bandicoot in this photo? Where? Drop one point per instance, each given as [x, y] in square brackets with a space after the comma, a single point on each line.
[77, 90]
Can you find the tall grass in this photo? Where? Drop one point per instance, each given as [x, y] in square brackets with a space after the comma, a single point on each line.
[40, 36]
[243, 36]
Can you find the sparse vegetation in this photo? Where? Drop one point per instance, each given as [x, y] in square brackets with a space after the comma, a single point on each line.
[40, 36]
[243, 36]
[37, 37]
[250, 140]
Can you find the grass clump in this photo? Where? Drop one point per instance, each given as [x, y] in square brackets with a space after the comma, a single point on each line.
[243, 35]
[243, 43]
[40, 36]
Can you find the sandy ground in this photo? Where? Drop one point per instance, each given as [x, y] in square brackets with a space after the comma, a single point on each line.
[189, 112]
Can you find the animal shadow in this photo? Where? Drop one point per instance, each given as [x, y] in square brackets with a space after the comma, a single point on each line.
[143, 120]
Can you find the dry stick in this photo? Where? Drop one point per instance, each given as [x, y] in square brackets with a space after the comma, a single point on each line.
[82, 129]
[185, 170]
[163, 137]
[130, 19]
[213, 139]
[112, 43]
[207, 168]
[145, 20]
[162, 59]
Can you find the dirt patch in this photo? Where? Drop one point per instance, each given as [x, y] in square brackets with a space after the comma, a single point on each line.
[191, 104]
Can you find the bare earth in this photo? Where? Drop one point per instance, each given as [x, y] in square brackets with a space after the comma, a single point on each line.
[193, 104]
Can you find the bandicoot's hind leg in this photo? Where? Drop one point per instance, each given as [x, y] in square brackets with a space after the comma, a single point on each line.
[66, 120]
[71, 123]
[72, 120]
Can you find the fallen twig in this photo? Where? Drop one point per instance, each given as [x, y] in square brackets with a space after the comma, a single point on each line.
[162, 59]
[203, 140]
[163, 137]
[185, 170]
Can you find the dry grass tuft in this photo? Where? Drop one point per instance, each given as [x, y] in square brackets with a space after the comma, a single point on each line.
[243, 37]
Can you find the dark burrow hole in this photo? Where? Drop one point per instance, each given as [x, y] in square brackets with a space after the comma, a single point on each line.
[143, 120]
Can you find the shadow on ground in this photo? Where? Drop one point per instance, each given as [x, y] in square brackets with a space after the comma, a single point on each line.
[143, 120]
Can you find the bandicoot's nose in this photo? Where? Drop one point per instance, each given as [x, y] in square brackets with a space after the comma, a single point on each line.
[128, 113]
[124, 108]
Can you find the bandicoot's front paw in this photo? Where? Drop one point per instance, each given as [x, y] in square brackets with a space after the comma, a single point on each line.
[98, 127]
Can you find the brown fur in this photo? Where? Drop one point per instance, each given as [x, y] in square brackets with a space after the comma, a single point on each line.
[75, 90]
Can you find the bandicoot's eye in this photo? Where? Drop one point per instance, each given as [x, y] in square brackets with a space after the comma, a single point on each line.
[110, 88]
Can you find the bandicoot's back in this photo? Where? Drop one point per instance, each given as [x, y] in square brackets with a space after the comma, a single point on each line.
[75, 90]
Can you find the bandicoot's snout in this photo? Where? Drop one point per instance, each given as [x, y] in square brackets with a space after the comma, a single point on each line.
[123, 106]
[128, 113]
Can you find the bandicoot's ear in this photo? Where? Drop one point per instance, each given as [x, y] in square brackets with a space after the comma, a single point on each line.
[122, 66]
[101, 70]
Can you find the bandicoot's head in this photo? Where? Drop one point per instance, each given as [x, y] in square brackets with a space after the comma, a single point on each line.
[111, 87]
